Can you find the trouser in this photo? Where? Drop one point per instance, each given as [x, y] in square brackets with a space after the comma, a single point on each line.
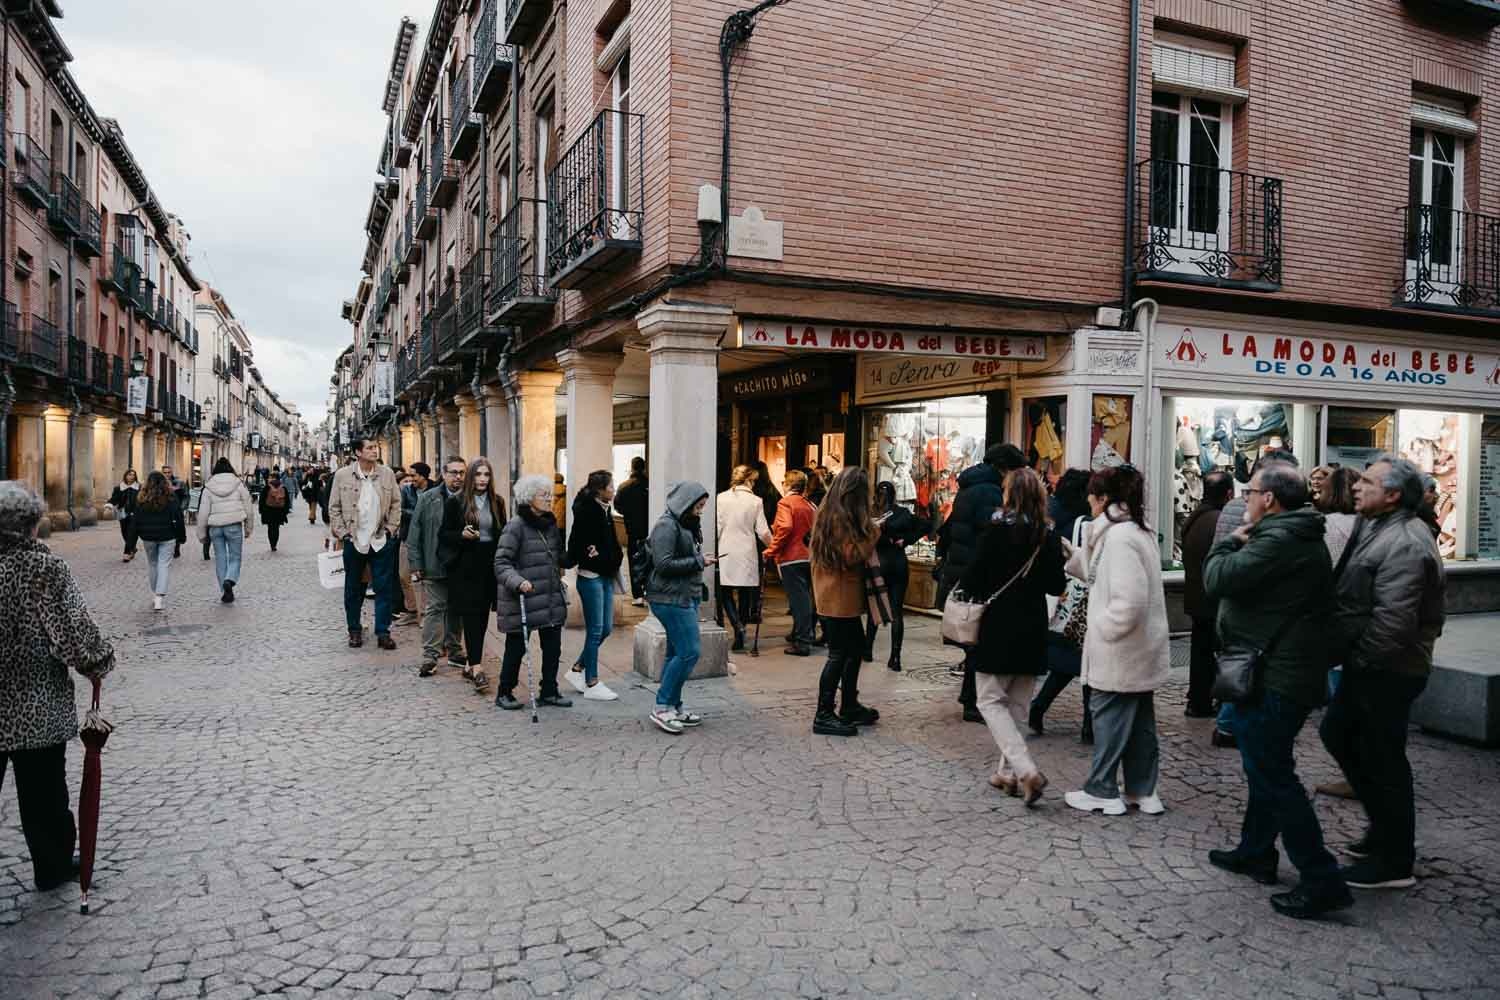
[411, 597]
[312, 513]
[475, 625]
[897, 587]
[1002, 700]
[1365, 731]
[1201, 669]
[382, 567]
[515, 652]
[846, 640]
[46, 820]
[637, 580]
[273, 534]
[741, 605]
[441, 628]
[1124, 734]
[597, 594]
[125, 532]
[796, 578]
[228, 542]
[1265, 732]
[684, 645]
[158, 564]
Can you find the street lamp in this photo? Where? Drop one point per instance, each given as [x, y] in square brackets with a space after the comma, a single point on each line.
[383, 350]
[137, 364]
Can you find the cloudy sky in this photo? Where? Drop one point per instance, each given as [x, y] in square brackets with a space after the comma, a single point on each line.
[260, 125]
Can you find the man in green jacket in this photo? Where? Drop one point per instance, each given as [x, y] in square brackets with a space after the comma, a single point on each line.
[441, 628]
[1273, 582]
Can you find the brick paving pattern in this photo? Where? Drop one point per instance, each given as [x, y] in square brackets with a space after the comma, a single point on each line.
[285, 816]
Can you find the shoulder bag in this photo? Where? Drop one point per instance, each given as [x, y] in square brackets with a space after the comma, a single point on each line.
[962, 617]
[1238, 669]
[1071, 617]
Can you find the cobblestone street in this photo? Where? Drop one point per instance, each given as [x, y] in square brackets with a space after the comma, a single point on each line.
[283, 815]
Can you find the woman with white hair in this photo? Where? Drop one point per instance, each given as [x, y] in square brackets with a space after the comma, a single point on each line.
[46, 632]
[528, 564]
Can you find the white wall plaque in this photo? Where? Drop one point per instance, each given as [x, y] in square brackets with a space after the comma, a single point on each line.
[753, 235]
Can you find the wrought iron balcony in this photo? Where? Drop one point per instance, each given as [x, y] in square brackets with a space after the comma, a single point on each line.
[65, 207]
[410, 243]
[524, 20]
[441, 170]
[163, 399]
[1452, 260]
[518, 288]
[429, 341]
[98, 370]
[117, 377]
[401, 154]
[33, 172]
[78, 361]
[466, 125]
[160, 314]
[89, 242]
[426, 215]
[408, 366]
[383, 293]
[10, 333]
[596, 214]
[146, 301]
[492, 60]
[472, 278]
[1207, 226]
[445, 319]
[1479, 14]
[41, 347]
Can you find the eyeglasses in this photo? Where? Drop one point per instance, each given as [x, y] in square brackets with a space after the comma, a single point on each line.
[453, 472]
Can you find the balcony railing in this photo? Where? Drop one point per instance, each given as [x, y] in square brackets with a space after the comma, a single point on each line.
[466, 124]
[98, 370]
[90, 240]
[445, 318]
[429, 341]
[1452, 260]
[117, 377]
[492, 60]
[41, 347]
[1207, 226]
[401, 155]
[78, 361]
[426, 215]
[163, 399]
[65, 207]
[596, 215]
[524, 20]
[33, 172]
[10, 333]
[147, 301]
[471, 281]
[518, 288]
[442, 171]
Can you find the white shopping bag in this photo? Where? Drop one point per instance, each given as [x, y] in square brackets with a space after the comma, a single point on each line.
[331, 570]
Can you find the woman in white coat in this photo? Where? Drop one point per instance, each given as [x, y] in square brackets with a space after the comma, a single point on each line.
[225, 518]
[742, 534]
[1125, 652]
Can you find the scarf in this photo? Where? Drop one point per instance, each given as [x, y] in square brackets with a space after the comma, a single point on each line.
[876, 594]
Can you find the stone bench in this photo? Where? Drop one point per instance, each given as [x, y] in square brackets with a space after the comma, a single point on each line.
[651, 650]
[1462, 700]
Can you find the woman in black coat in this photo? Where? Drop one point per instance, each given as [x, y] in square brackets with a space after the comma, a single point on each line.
[123, 501]
[898, 529]
[595, 550]
[273, 517]
[157, 521]
[472, 522]
[1069, 505]
[1019, 562]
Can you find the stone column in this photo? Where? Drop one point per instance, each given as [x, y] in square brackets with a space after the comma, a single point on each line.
[536, 400]
[120, 460]
[448, 439]
[31, 444]
[55, 486]
[145, 449]
[468, 426]
[682, 341]
[430, 442]
[589, 381]
[84, 497]
[496, 417]
[105, 430]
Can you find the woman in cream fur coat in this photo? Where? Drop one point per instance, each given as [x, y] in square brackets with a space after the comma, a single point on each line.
[1125, 652]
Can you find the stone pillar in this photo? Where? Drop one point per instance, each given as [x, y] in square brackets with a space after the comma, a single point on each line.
[495, 414]
[682, 341]
[124, 445]
[468, 426]
[105, 429]
[536, 400]
[84, 497]
[589, 382]
[435, 457]
[448, 440]
[145, 449]
[31, 444]
[55, 487]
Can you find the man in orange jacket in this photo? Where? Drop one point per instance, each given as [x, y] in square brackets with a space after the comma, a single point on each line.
[788, 550]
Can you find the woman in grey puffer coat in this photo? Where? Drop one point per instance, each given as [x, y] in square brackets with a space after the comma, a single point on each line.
[528, 566]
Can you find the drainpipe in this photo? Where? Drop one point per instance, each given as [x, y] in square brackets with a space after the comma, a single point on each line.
[7, 389]
[75, 406]
[1132, 88]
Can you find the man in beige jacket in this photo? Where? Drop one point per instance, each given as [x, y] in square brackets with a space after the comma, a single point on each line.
[364, 516]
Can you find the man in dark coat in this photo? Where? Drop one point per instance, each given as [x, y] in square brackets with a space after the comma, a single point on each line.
[978, 496]
[1197, 539]
[630, 503]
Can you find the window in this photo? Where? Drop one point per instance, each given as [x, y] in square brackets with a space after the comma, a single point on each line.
[1190, 153]
[80, 167]
[56, 147]
[1435, 164]
[54, 298]
[620, 146]
[23, 102]
[543, 151]
[502, 191]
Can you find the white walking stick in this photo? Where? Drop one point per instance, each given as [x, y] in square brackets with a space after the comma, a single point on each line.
[526, 639]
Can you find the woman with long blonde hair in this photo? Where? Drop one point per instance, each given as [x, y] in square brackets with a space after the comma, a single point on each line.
[843, 537]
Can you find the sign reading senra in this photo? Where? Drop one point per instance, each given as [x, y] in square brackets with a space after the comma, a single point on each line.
[780, 333]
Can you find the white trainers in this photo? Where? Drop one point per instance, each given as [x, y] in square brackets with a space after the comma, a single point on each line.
[1148, 804]
[639, 602]
[158, 602]
[599, 692]
[666, 721]
[1084, 802]
[575, 678]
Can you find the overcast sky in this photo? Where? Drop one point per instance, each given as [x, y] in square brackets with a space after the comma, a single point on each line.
[260, 125]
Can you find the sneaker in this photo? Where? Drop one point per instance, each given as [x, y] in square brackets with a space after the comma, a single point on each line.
[555, 701]
[1007, 783]
[158, 602]
[860, 715]
[828, 724]
[1223, 740]
[1373, 873]
[405, 619]
[356, 639]
[639, 602]
[972, 715]
[1084, 802]
[575, 679]
[1261, 869]
[956, 670]
[427, 669]
[599, 692]
[666, 721]
[507, 701]
[1306, 904]
[1148, 804]
[688, 720]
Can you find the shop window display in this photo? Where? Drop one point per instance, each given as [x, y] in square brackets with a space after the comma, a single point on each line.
[772, 450]
[1109, 434]
[1430, 441]
[1356, 437]
[1044, 426]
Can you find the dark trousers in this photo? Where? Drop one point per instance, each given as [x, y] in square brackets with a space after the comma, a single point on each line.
[1266, 731]
[515, 651]
[1201, 668]
[46, 820]
[846, 641]
[740, 605]
[633, 547]
[382, 566]
[273, 535]
[796, 578]
[1365, 731]
[1054, 685]
[476, 624]
[125, 532]
[896, 585]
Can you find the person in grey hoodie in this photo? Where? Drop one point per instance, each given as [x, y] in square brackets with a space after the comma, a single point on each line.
[674, 590]
[225, 518]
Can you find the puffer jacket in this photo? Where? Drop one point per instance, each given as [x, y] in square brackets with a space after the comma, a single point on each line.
[1197, 539]
[1388, 604]
[676, 552]
[224, 500]
[530, 551]
[162, 525]
[979, 496]
[1278, 581]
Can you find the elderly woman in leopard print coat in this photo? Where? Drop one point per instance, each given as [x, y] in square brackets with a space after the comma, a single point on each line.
[46, 632]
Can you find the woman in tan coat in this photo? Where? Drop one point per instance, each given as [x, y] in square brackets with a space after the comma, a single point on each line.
[843, 537]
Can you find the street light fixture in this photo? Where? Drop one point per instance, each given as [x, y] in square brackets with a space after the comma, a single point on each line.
[383, 350]
[137, 364]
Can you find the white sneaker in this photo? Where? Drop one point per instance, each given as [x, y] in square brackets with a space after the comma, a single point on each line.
[1148, 804]
[575, 678]
[1084, 802]
[599, 692]
[639, 602]
[158, 602]
[666, 721]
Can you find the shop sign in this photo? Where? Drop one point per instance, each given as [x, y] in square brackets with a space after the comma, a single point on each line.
[778, 381]
[915, 376]
[1329, 360]
[783, 334]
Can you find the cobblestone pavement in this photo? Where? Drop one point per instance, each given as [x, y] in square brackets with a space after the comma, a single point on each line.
[285, 816]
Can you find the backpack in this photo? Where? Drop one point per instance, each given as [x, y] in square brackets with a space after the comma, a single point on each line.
[276, 497]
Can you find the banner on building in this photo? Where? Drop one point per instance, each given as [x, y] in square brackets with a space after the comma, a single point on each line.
[385, 383]
[138, 391]
[255, 440]
[795, 335]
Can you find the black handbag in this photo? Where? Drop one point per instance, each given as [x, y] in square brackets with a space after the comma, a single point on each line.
[1238, 669]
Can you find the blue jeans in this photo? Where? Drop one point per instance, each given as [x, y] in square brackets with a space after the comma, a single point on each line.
[158, 563]
[683, 647]
[598, 596]
[1266, 730]
[382, 578]
[228, 540]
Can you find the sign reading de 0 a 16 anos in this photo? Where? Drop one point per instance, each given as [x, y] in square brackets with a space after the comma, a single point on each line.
[784, 334]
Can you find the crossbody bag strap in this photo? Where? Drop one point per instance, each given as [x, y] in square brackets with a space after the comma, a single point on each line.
[1019, 573]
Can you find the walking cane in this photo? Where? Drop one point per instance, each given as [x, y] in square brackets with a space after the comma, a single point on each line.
[760, 608]
[526, 640]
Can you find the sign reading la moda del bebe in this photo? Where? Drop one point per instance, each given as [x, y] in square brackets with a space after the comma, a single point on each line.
[1329, 360]
[780, 333]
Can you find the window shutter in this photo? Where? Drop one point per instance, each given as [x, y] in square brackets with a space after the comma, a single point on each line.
[614, 50]
[1441, 114]
[1195, 66]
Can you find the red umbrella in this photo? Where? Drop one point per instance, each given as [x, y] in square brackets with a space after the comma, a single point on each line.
[94, 732]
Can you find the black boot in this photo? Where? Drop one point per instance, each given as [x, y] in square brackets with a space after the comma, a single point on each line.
[825, 723]
[739, 641]
[1262, 869]
[894, 663]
